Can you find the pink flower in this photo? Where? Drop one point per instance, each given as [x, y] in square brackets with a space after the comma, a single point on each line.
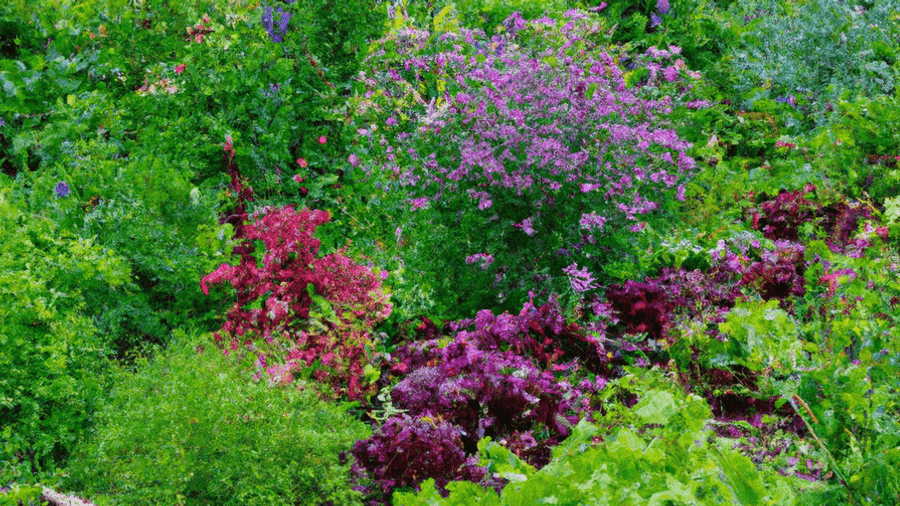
[526, 226]
[297, 178]
[180, 68]
[419, 203]
[353, 159]
[302, 162]
[322, 139]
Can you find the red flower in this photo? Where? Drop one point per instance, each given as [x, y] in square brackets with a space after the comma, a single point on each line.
[180, 68]
[302, 162]
[297, 178]
[303, 191]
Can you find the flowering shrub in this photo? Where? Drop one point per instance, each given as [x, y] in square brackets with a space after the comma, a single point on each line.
[278, 292]
[536, 151]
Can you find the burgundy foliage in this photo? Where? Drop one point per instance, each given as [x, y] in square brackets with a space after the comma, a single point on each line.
[273, 302]
[779, 274]
[409, 449]
[497, 376]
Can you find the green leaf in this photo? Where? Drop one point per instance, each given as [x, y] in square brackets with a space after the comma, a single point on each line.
[656, 407]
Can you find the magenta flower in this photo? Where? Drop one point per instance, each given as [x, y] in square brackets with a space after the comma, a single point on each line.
[322, 139]
[354, 160]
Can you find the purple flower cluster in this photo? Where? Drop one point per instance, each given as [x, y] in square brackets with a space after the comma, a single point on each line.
[276, 26]
[662, 7]
[62, 189]
[532, 132]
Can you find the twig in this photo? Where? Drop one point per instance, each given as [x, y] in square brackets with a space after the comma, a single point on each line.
[834, 466]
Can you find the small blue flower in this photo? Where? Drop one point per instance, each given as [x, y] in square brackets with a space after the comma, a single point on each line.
[62, 189]
[655, 20]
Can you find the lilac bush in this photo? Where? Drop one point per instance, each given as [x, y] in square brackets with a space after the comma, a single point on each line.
[537, 147]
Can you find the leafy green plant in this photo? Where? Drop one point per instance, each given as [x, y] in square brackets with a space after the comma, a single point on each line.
[188, 428]
[662, 453]
[53, 355]
[807, 54]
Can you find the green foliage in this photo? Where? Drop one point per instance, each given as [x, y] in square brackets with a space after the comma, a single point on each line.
[188, 428]
[51, 353]
[21, 496]
[811, 53]
[660, 452]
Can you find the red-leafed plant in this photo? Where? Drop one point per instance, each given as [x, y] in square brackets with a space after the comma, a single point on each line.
[298, 312]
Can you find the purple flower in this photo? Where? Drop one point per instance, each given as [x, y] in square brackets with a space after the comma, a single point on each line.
[62, 189]
[580, 279]
[276, 29]
[655, 20]
[419, 203]
[662, 6]
[526, 226]
[2, 122]
[592, 221]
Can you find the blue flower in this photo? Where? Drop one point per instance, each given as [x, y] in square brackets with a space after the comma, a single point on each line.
[62, 189]
[276, 29]
[655, 20]
[662, 6]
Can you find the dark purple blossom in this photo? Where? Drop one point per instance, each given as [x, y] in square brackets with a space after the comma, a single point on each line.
[62, 189]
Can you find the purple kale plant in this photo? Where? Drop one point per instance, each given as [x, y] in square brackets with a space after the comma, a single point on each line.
[779, 273]
[508, 377]
[407, 450]
[781, 217]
